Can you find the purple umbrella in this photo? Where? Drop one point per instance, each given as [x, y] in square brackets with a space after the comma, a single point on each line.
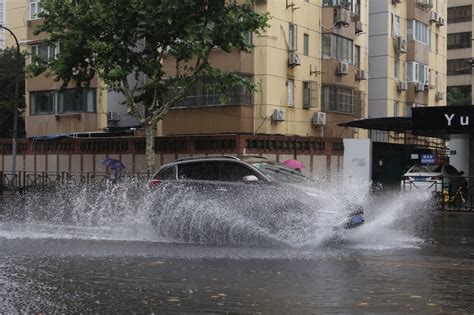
[294, 164]
[114, 164]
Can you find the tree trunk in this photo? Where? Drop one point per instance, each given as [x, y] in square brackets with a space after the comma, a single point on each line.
[150, 133]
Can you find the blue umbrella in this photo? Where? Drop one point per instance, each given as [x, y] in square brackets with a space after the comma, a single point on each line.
[114, 164]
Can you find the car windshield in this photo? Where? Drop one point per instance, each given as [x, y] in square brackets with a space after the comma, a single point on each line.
[279, 172]
[433, 168]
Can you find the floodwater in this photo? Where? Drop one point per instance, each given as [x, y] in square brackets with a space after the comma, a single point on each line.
[94, 251]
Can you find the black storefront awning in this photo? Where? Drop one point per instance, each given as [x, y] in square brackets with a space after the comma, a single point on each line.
[396, 124]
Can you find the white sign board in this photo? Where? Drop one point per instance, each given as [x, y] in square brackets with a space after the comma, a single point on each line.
[358, 158]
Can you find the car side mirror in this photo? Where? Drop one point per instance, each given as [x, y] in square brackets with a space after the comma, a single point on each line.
[461, 172]
[250, 179]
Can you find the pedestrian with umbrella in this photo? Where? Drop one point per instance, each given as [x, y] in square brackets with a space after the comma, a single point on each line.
[294, 164]
[112, 168]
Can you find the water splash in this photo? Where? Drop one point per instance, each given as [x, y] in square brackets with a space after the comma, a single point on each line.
[131, 212]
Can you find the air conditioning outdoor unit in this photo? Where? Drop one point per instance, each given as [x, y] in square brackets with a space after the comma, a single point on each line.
[294, 59]
[425, 3]
[402, 85]
[319, 119]
[361, 74]
[113, 116]
[419, 87]
[401, 44]
[439, 96]
[434, 16]
[278, 115]
[396, 1]
[343, 16]
[342, 68]
[441, 21]
[359, 27]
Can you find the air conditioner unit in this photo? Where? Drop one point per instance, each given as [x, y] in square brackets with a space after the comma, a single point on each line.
[113, 116]
[401, 44]
[342, 68]
[319, 119]
[361, 74]
[441, 21]
[359, 27]
[343, 16]
[434, 16]
[294, 59]
[419, 87]
[439, 96]
[396, 1]
[278, 115]
[402, 85]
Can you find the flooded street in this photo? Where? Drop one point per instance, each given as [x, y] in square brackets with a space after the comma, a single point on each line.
[423, 263]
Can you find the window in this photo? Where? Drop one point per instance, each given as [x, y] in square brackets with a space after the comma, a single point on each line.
[76, 101]
[396, 68]
[459, 40]
[44, 51]
[419, 32]
[206, 94]
[395, 25]
[306, 95]
[291, 93]
[292, 33]
[417, 72]
[35, 9]
[234, 172]
[306, 44]
[166, 173]
[42, 103]
[337, 47]
[396, 109]
[357, 56]
[341, 99]
[59, 102]
[460, 14]
[199, 171]
[458, 66]
[332, 3]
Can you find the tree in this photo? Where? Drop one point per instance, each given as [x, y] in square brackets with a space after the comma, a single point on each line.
[128, 43]
[7, 92]
[457, 97]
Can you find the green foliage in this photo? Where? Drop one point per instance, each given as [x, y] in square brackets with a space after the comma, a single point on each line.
[457, 98]
[7, 92]
[125, 41]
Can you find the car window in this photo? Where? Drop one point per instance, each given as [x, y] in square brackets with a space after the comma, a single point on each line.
[419, 169]
[233, 172]
[208, 170]
[278, 172]
[435, 168]
[166, 173]
[450, 170]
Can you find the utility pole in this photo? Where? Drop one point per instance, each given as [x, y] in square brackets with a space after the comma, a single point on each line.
[15, 109]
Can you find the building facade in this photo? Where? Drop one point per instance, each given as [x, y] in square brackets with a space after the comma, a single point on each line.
[407, 59]
[50, 111]
[459, 70]
[310, 70]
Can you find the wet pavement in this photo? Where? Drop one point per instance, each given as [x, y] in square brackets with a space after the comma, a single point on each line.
[430, 271]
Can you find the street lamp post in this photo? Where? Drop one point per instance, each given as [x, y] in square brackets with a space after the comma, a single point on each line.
[15, 109]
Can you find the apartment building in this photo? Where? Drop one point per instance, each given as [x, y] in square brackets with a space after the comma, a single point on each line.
[459, 70]
[310, 69]
[50, 111]
[407, 58]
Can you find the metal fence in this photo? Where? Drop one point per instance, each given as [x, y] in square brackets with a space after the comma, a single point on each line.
[25, 182]
[454, 194]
